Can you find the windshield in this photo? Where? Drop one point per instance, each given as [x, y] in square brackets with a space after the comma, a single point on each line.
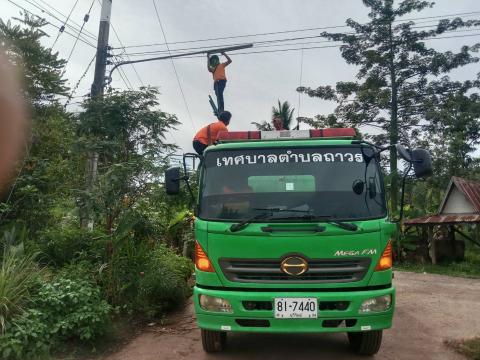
[334, 182]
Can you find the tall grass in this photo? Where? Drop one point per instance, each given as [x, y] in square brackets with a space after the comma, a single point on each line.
[17, 277]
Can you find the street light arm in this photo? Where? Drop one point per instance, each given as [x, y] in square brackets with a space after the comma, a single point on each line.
[212, 51]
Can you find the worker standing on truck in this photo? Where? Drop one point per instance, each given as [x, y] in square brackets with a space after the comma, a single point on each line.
[219, 78]
[208, 134]
[278, 123]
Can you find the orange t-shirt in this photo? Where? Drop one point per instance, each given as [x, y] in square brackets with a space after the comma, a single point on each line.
[215, 129]
[219, 72]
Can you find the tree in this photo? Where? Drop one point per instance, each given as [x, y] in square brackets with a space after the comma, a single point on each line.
[128, 132]
[452, 131]
[42, 70]
[284, 111]
[48, 172]
[393, 63]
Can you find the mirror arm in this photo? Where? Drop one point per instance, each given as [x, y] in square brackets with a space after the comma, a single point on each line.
[379, 149]
[186, 177]
[402, 198]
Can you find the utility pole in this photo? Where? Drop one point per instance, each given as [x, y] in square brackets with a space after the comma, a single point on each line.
[86, 218]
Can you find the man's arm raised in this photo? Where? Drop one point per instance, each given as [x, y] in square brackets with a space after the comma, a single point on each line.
[229, 61]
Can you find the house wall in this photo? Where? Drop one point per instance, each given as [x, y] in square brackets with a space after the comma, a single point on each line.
[457, 203]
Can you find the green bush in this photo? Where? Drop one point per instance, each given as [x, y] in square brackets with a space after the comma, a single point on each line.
[28, 336]
[62, 309]
[164, 281]
[63, 245]
[18, 275]
[75, 308]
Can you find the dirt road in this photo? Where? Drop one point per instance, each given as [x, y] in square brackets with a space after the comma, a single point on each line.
[430, 308]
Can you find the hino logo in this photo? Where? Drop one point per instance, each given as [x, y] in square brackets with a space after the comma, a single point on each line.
[355, 252]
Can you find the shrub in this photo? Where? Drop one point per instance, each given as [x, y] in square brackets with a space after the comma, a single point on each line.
[164, 282]
[60, 246]
[27, 337]
[18, 275]
[62, 309]
[74, 308]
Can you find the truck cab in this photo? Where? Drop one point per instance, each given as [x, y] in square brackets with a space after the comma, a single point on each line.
[292, 236]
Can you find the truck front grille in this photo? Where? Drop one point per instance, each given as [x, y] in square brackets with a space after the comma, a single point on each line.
[319, 271]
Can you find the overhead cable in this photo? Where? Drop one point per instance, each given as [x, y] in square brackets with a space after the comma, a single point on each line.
[49, 13]
[74, 89]
[85, 19]
[77, 25]
[62, 28]
[49, 23]
[294, 31]
[173, 65]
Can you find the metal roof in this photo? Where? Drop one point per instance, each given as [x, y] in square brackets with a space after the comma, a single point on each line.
[444, 219]
[471, 191]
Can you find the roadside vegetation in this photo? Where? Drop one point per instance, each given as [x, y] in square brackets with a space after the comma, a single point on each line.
[470, 347]
[469, 268]
[77, 259]
[61, 283]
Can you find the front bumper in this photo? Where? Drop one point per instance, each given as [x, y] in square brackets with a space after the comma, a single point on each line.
[263, 320]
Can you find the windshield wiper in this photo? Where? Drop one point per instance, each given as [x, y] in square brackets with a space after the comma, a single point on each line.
[327, 219]
[268, 212]
[243, 223]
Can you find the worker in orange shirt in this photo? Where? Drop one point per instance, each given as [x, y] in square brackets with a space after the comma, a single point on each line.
[219, 78]
[208, 134]
[278, 123]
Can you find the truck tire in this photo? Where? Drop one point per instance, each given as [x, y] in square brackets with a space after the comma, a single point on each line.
[365, 343]
[213, 341]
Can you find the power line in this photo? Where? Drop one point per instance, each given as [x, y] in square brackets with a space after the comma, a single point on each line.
[49, 23]
[79, 80]
[43, 10]
[125, 79]
[268, 44]
[321, 47]
[228, 45]
[85, 19]
[128, 57]
[261, 44]
[87, 33]
[121, 44]
[292, 31]
[173, 64]
[35, 4]
[62, 28]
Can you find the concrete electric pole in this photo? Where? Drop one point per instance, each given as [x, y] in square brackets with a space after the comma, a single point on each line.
[86, 219]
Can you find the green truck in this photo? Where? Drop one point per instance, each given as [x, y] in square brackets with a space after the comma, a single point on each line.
[292, 235]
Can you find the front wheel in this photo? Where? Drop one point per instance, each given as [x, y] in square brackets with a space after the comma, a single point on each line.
[213, 341]
[365, 343]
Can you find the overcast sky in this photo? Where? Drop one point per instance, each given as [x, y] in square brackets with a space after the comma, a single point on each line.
[255, 81]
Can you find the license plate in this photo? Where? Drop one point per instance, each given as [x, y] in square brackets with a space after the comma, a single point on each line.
[296, 308]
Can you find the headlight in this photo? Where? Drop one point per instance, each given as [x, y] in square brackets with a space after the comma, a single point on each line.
[376, 304]
[212, 303]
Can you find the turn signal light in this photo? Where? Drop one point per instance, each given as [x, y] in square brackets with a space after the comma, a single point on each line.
[202, 262]
[386, 260]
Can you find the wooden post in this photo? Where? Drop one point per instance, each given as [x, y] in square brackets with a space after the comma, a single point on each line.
[431, 240]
